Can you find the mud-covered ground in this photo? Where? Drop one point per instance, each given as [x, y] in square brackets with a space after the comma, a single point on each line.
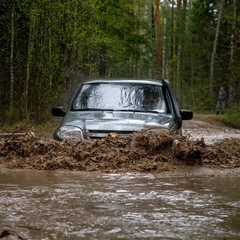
[141, 152]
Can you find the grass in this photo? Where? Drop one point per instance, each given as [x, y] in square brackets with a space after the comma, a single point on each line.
[43, 130]
[210, 118]
[231, 118]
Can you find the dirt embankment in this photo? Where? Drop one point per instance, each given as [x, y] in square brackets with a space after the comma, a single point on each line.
[139, 152]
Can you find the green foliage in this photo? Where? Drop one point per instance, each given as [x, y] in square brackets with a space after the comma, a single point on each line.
[202, 26]
[232, 116]
[198, 97]
[11, 116]
[56, 40]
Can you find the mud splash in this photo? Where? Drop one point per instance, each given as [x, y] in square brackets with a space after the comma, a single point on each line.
[139, 152]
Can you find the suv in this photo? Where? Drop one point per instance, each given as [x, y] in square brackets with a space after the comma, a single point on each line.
[101, 107]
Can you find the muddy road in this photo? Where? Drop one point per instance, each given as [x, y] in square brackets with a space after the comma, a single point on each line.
[202, 144]
[143, 186]
[211, 133]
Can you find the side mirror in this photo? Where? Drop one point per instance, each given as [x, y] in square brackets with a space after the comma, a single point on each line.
[186, 114]
[58, 111]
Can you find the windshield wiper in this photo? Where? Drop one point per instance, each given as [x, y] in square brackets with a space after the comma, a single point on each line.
[136, 110]
[93, 109]
[118, 110]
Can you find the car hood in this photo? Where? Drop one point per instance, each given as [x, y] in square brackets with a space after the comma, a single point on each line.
[115, 121]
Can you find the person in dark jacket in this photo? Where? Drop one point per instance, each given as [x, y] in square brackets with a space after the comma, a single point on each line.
[220, 108]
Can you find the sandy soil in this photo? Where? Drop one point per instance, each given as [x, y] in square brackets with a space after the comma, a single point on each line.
[202, 144]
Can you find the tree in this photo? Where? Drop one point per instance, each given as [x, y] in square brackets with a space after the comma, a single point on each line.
[219, 18]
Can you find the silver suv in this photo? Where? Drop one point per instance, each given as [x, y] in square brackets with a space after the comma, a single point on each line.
[101, 107]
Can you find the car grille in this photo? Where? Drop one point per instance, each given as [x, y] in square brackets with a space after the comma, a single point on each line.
[96, 134]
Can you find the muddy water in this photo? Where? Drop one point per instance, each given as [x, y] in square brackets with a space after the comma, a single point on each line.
[203, 204]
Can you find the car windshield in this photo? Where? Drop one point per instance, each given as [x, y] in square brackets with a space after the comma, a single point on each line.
[120, 96]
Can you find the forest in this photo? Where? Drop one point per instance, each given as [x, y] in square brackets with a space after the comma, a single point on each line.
[47, 47]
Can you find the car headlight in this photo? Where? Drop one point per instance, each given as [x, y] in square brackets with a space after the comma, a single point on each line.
[69, 132]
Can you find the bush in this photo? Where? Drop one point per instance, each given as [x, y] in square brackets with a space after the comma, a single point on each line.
[232, 116]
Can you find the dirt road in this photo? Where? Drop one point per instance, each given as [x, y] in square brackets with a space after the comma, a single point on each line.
[202, 144]
[211, 133]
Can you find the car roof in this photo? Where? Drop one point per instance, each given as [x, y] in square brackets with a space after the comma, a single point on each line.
[143, 81]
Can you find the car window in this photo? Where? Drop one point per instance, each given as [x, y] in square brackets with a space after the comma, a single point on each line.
[116, 96]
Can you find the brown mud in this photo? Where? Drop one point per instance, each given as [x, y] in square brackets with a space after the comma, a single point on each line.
[140, 152]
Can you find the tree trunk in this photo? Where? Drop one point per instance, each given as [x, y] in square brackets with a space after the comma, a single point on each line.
[11, 60]
[232, 55]
[164, 62]
[220, 10]
[50, 46]
[154, 67]
[159, 37]
[172, 47]
[179, 51]
[29, 62]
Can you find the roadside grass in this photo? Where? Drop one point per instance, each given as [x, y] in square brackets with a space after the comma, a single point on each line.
[210, 118]
[44, 130]
[231, 118]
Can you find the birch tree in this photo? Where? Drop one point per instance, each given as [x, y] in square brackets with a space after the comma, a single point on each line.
[219, 18]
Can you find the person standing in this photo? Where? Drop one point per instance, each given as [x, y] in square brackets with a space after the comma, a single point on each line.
[221, 101]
